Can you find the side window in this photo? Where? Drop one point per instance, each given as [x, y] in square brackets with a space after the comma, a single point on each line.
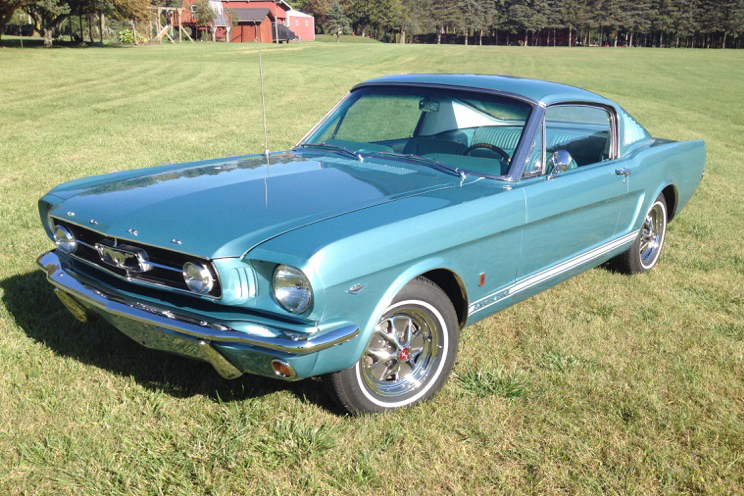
[535, 159]
[584, 131]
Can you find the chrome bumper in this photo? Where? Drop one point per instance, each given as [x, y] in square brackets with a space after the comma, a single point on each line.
[167, 319]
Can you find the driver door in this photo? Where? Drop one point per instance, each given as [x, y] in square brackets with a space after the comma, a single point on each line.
[572, 217]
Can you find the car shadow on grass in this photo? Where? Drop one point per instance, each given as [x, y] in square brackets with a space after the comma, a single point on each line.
[30, 301]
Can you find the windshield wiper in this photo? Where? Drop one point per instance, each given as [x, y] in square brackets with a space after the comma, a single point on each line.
[335, 148]
[428, 161]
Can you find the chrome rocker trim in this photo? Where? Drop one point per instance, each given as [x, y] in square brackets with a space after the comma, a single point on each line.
[167, 319]
[548, 274]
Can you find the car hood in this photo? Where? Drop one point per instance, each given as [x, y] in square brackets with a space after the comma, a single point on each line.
[223, 208]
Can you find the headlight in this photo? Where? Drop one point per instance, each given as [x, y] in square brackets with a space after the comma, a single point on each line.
[198, 278]
[292, 289]
[65, 239]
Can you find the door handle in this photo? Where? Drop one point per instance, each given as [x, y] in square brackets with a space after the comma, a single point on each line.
[622, 172]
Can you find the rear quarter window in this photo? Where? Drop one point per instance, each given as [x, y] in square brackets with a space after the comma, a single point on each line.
[584, 131]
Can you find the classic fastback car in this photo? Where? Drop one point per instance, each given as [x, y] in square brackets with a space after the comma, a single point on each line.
[420, 204]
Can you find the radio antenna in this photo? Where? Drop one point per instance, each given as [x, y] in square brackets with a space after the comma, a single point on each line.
[263, 100]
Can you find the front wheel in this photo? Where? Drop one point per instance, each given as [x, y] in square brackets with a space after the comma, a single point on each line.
[646, 250]
[409, 356]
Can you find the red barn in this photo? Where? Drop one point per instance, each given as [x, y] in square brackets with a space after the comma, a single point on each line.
[253, 25]
[278, 9]
[254, 20]
[301, 24]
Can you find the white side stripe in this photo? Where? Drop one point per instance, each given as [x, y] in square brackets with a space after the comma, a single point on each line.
[550, 273]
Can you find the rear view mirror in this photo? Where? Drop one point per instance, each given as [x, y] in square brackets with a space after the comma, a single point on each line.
[428, 105]
[560, 161]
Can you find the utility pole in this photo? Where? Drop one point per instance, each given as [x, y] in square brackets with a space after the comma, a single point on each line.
[276, 24]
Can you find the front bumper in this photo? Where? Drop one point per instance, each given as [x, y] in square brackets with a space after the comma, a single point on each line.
[231, 352]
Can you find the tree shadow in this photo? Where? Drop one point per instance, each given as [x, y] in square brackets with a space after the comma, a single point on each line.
[29, 300]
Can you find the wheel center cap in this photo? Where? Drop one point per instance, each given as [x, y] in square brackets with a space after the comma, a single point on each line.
[404, 355]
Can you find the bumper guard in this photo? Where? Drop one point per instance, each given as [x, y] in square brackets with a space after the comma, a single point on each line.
[76, 295]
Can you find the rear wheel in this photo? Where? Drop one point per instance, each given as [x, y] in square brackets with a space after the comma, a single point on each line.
[409, 356]
[643, 255]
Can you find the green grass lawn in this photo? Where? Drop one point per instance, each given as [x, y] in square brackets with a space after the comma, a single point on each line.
[345, 38]
[603, 384]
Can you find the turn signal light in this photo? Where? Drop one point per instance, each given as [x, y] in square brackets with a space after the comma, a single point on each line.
[282, 369]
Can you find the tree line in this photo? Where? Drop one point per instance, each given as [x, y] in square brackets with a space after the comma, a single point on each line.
[659, 23]
[48, 16]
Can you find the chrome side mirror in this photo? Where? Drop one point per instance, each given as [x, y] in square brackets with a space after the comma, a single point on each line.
[560, 161]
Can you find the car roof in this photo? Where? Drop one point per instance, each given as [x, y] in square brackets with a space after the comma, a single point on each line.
[537, 91]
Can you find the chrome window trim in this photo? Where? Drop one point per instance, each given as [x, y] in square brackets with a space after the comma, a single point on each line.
[522, 153]
[534, 104]
[322, 119]
[458, 87]
[614, 127]
[543, 167]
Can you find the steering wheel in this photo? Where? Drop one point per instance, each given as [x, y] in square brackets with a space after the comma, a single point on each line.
[488, 146]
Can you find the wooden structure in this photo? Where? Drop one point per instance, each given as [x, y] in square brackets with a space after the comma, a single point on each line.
[170, 24]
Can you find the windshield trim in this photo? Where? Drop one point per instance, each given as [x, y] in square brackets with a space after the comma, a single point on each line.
[434, 164]
[515, 170]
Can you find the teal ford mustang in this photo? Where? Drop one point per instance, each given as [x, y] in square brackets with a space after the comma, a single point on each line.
[419, 205]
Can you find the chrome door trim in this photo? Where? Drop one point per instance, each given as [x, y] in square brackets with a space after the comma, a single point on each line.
[548, 274]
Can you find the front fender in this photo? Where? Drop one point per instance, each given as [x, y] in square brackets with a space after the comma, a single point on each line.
[346, 355]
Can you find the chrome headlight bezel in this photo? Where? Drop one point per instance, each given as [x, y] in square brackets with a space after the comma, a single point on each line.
[291, 289]
[64, 239]
[50, 224]
[198, 277]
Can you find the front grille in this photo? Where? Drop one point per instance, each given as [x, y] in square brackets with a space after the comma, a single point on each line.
[166, 265]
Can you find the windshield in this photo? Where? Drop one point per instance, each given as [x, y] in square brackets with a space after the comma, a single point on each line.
[472, 132]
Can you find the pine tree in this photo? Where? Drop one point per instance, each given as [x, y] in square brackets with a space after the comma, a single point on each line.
[336, 20]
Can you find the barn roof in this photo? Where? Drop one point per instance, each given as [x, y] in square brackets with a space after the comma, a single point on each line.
[220, 19]
[297, 13]
[252, 15]
[280, 2]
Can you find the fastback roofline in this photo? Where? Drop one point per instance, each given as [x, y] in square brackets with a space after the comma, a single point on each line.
[470, 89]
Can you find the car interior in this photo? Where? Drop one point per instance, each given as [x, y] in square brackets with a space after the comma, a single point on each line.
[466, 133]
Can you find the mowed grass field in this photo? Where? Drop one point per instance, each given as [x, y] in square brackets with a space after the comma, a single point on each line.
[604, 384]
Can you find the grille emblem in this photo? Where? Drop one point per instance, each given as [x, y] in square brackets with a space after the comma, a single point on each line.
[125, 257]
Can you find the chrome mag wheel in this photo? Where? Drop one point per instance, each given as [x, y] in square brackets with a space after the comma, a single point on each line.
[645, 251]
[409, 354]
[403, 351]
[652, 235]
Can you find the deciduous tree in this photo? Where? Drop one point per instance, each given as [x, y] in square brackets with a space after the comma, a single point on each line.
[48, 15]
[7, 8]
